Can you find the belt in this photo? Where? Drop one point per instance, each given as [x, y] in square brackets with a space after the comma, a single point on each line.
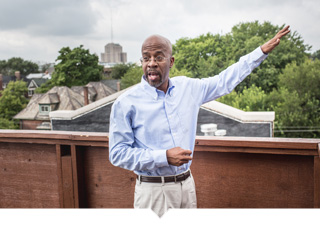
[176, 178]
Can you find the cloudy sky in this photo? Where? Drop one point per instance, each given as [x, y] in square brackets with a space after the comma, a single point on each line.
[37, 29]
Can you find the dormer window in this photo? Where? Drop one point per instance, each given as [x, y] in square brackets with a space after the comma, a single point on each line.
[44, 109]
[30, 92]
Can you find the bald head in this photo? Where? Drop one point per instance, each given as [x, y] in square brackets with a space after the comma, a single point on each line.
[157, 41]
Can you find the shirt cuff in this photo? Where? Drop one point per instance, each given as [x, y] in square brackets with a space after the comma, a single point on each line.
[160, 157]
[262, 51]
[258, 56]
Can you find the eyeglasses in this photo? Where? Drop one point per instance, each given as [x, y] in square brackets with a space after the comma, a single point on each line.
[158, 59]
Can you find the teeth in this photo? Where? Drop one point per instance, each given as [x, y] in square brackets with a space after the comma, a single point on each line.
[153, 77]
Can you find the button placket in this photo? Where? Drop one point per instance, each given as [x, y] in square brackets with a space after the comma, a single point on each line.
[171, 118]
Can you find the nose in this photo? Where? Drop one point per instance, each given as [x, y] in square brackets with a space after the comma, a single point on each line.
[152, 62]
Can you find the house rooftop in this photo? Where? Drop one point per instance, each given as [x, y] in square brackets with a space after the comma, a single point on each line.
[62, 99]
[39, 75]
[213, 106]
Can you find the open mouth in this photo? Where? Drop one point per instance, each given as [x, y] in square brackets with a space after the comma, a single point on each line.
[153, 75]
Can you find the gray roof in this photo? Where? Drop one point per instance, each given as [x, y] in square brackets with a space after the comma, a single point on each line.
[101, 89]
[36, 82]
[62, 98]
[111, 83]
[32, 109]
[92, 93]
[96, 90]
[39, 76]
[7, 79]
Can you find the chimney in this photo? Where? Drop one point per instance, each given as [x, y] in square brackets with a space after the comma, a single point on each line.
[1, 84]
[118, 86]
[85, 94]
[17, 74]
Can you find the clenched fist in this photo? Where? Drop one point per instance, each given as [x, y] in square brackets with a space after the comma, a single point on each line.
[177, 156]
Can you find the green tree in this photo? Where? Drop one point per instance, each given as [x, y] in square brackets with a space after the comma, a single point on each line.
[132, 77]
[248, 36]
[119, 70]
[297, 102]
[8, 124]
[18, 64]
[75, 67]
[316, 55]
[251, 99]
[295, 117]
[208, 55]
[45, 67]
[13, 99]
[175, 72]
[203, 56]
[45, 87]
[302, 78]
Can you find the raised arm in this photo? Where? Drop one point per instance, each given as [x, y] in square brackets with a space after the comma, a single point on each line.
[272, 43]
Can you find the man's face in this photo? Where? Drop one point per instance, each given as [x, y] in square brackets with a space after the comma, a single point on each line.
[157, 73]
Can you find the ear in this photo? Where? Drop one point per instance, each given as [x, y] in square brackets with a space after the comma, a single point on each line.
[171, 61]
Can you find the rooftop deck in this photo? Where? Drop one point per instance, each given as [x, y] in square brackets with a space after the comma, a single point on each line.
[71, 169]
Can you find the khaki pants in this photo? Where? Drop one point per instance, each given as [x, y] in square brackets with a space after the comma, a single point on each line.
[162, 196]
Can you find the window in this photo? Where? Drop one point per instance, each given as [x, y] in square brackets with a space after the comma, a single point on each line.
[44, 109]
[30, 92]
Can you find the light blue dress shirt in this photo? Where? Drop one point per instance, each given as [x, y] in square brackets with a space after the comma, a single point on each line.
[145, 122]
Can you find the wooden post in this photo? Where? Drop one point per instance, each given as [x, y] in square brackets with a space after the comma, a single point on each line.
[59, 174]
[317, 179]
[67, 175]
[75, 176]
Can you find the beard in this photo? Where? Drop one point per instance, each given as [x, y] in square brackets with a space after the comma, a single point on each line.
[154, 78]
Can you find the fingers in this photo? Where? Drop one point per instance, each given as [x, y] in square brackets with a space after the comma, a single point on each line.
[185, 155]
[187, 152]
[283, 32]
[286, 28]
[271, 44]
[178, 156]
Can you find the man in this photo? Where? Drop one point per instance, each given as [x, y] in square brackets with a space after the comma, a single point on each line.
[153, 125]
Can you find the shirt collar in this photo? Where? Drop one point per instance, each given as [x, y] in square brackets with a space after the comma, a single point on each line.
[152, 90]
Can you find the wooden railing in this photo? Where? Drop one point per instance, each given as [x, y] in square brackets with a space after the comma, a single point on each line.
[71, 169]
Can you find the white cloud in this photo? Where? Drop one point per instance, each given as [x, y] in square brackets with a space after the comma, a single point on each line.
[37, 30]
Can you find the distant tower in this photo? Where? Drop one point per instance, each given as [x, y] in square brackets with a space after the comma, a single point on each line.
[113, 54]
[113, 51]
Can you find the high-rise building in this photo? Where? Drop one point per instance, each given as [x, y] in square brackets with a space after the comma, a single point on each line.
[113, 54]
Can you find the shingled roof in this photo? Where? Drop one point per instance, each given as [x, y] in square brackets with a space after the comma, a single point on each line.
[32, 109]
[62, 98]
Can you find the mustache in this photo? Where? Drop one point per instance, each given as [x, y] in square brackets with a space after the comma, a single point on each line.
[153, 72]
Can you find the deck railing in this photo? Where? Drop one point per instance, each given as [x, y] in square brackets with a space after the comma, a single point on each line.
[71, 169]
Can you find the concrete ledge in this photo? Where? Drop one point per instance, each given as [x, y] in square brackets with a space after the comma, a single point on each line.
[231, 112]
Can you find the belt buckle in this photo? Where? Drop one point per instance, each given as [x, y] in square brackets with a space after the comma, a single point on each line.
[175, 178]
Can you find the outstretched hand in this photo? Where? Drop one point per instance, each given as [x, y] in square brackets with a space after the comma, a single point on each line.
[272, 43]
[177, 156]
